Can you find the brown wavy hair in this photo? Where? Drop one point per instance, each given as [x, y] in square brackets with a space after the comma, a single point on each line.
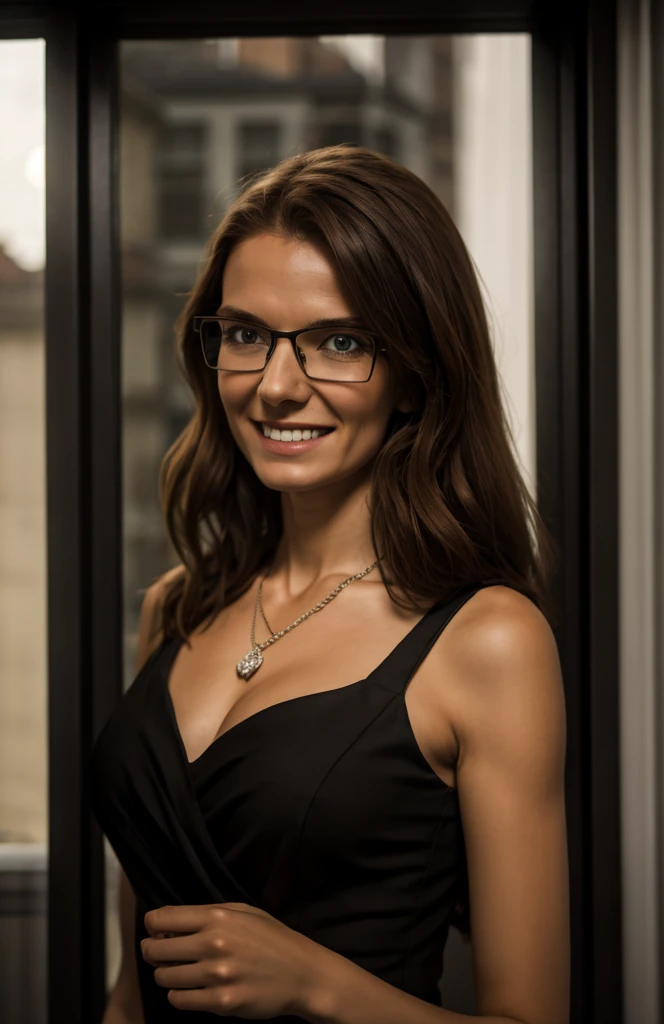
[448, 503]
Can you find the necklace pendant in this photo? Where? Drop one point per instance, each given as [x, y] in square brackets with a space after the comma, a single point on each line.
[251, 662]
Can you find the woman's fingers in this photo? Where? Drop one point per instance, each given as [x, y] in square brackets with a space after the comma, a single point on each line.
[181, 948]
[169, 919]
[202, 974]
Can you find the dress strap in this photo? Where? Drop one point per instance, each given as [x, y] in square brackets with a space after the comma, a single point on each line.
[397, 669]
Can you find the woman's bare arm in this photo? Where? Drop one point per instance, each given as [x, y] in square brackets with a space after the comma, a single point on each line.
[512, 795]
[124, 1005]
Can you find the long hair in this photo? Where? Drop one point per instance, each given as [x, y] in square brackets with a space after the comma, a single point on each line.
[447, 500]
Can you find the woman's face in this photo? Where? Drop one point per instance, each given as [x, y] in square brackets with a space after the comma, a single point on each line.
[290, 284]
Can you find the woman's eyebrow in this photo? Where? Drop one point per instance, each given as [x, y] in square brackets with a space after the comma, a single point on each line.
[337, 321]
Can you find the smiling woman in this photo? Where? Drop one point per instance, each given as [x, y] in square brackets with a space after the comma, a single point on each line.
[313, 239]
[283, 277]
[298, 843]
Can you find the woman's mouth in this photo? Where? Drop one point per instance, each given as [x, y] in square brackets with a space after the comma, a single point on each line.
[291, 439]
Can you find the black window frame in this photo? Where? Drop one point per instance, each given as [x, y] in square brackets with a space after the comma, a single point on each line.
[574, 138]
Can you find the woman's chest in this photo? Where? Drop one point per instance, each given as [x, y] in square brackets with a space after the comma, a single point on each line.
[209, 699]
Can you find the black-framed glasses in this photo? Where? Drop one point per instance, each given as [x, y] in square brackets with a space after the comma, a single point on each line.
[324, 353]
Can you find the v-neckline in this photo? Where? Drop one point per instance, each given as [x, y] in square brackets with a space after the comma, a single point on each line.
[177, 644]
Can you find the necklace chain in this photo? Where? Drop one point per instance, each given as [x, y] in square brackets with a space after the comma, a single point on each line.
[259, 602]
[254, 659]
[321, 604]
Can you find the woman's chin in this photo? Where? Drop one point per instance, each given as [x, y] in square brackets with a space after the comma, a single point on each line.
[293, 479]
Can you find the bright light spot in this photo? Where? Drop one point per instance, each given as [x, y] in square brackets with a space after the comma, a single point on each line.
[22, 123]
[365, 53]
[35, 171]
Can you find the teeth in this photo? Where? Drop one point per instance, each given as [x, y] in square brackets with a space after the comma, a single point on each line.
[290, 435]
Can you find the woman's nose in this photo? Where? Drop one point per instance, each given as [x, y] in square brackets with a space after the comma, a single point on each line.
[283, 376]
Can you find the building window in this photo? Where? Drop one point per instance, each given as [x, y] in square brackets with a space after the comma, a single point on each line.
[336, 132]
[181, 180]
[258, 146]
[386, 142]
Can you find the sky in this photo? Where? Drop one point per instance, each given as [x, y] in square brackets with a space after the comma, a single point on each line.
[22, 122]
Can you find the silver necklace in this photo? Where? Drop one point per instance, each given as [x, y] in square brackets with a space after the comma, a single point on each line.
[253, 660]
[259, 600]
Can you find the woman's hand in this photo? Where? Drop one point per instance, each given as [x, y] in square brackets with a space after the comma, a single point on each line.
[231, 959]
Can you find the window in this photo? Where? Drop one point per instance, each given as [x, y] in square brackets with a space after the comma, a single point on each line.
[258, 146]
[181, 162]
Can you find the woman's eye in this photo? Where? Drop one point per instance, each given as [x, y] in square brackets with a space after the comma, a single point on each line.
[244, 335]
[342, 343]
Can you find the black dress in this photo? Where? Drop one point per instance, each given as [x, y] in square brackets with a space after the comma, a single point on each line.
[321, 810]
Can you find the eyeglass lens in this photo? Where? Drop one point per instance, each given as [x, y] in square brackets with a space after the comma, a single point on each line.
[326, 354]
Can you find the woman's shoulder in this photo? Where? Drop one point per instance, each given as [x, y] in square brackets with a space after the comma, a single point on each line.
[497, 624]
[500, 605]
[150, 623]
[156, 592]
[169, 577]
[501, 650]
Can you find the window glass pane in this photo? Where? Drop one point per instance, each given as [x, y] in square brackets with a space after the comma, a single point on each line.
[23, 654]
[199, 116]
[258, 145]
[180, 176]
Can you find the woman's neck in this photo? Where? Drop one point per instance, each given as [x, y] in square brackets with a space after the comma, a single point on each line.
[325, 533]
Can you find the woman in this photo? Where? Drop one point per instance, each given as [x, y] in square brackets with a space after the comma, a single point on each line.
[347, 731]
